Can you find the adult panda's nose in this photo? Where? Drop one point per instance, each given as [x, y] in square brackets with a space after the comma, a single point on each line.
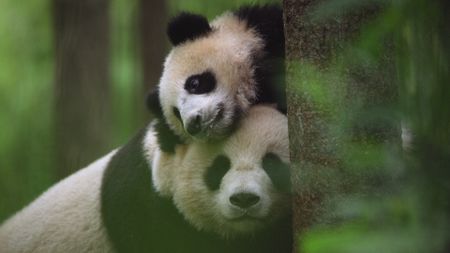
[244, 199]
[194, 125]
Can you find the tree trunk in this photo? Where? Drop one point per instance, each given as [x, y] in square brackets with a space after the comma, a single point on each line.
[312, 50]
[82, 92]
[152, 24]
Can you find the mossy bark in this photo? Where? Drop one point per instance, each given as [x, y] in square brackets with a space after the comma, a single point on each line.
[315, 45]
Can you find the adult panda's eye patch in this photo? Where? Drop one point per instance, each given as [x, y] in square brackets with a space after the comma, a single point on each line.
[201, 83]
[216, 172]
[278, 171]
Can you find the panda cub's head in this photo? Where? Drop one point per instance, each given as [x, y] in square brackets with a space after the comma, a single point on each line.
[209, 78]
[241, 186]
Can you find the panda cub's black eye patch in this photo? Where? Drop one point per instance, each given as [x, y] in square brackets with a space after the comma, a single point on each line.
[201, 83]
[216, 172]
[278, 171]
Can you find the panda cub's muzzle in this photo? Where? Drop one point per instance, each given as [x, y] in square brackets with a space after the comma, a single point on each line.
[203, 117]
[200, 124]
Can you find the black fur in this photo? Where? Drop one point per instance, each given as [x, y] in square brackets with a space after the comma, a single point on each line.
[187, 26]
[279, 172]
[201, 83]
[267, 21]
[216, 172]
[269, 75]
[167, 139]
[137, 219]
[153, 103]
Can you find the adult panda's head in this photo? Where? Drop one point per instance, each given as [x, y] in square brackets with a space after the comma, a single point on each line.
[217, 70]
[238, 187]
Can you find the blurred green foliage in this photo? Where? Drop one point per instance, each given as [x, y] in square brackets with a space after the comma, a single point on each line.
[211, 8]
[125, 70]
[26, 74]
[406, 209]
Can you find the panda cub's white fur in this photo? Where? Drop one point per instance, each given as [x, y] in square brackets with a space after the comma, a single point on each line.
[240, 200]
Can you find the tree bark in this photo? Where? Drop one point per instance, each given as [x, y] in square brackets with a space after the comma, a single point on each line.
[153, 42]
[82, 91]
[315, 146]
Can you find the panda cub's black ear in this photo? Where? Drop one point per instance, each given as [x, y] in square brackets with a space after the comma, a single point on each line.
[153, 103]
[167, 139]
[187, 26]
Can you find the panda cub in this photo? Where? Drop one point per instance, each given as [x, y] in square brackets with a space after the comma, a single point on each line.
[216, 71]
[231, 196]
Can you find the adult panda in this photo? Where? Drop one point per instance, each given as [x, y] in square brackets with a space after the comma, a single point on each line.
[216, 71]
[231, 196]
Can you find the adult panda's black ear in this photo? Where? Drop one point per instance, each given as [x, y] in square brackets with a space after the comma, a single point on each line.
[187, 26]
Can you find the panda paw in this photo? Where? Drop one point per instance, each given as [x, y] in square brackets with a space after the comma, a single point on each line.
[167, 139]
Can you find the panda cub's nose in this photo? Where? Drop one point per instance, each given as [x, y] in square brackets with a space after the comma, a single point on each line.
[194, 126]
[244, 199]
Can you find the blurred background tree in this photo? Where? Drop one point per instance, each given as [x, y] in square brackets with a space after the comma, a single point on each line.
[82, 90]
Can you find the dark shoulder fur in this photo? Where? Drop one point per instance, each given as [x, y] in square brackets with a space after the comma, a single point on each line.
[137, 219]
[267, 20]
[167, 139]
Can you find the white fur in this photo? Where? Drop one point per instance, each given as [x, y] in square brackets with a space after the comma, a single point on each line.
[253, 180]
[65, 218]
[227, 52]
[163, 164]
[263, 131]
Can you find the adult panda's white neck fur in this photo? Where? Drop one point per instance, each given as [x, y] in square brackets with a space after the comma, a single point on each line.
[162, 164]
